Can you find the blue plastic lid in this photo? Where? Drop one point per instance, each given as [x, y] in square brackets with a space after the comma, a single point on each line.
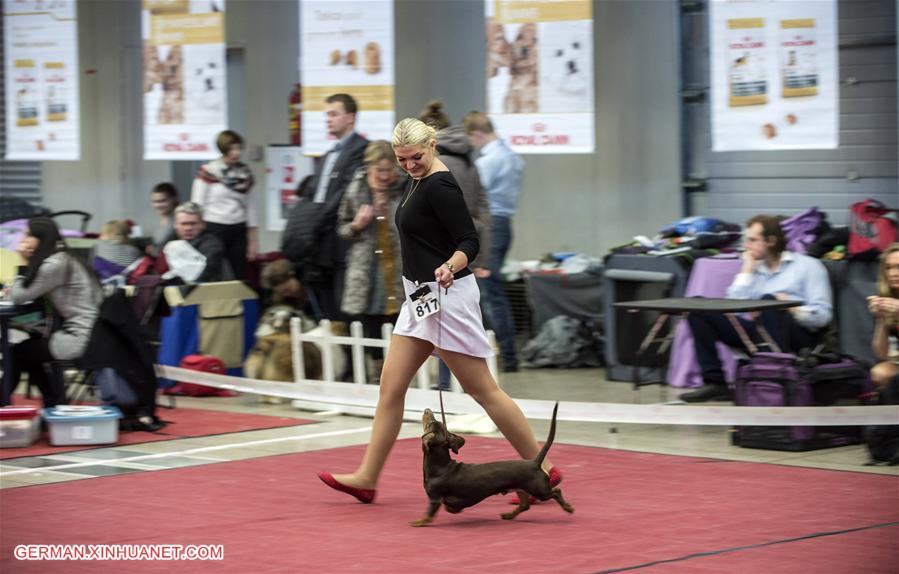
[72, 413]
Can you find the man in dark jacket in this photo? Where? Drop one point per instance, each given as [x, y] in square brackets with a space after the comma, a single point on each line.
[190, 228]
[310, 238]
[117, 343]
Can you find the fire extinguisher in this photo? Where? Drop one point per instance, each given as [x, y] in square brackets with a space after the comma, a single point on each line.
[296, 115]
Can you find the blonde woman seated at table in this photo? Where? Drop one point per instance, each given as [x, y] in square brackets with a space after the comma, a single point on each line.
[885, 308]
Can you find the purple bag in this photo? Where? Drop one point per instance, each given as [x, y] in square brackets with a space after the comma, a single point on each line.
[781, 380]
[800, 229]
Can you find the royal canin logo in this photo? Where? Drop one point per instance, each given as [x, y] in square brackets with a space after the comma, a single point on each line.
[174, 147]
[539, 139]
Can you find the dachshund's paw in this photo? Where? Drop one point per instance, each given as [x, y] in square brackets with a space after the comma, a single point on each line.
[423, 521]
[557, 494]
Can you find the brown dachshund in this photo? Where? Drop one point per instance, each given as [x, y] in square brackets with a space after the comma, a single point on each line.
[457, 485]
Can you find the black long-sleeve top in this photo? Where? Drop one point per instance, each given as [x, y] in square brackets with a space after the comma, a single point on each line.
[434, 223]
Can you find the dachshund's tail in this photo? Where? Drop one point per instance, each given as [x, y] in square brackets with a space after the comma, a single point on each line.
[549, 439]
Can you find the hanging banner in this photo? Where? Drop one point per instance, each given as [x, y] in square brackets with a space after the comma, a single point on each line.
[185, 104]
[41, 70]
[774, 74]
[285, 168]
[540, 74]
[346, 46]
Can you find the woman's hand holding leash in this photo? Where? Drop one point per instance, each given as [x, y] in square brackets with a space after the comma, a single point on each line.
[444, 276]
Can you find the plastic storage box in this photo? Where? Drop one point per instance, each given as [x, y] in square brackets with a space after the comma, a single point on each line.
[19, 426]
[75, 424]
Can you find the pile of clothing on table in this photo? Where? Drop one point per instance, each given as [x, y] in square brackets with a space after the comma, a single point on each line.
[872, 227]
[690, 237]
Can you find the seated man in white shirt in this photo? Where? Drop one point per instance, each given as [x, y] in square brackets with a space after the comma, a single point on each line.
[768, 272]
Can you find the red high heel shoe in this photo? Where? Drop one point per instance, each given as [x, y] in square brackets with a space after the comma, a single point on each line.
[364, 495]
[555, 477]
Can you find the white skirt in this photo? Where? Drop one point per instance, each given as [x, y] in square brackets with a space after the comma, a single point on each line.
[458, 327]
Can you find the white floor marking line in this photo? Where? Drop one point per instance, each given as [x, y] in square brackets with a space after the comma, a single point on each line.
[187, 452]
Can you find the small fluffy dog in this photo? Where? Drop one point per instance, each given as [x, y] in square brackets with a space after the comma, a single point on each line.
[522, 95]
[570, 57]
[171, 111]
[352, 59]
[372, 58]
[271, 358]
[499, 51]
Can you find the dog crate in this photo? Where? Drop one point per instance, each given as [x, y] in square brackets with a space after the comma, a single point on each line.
[517, 294]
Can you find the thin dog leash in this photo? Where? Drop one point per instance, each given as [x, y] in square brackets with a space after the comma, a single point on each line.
[439, 337]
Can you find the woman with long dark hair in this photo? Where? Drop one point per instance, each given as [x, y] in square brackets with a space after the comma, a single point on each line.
[74, 294]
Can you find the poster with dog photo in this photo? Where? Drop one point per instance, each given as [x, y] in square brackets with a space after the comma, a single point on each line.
[41, 71]
[540, 74]
[346, 46]
[184, 78]
[774, 74]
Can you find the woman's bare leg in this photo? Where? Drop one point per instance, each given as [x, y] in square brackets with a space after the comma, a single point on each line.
[476, 379]
[404, 357]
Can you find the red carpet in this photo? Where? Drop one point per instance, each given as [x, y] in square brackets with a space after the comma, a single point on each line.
[183, 423]
[632, 510]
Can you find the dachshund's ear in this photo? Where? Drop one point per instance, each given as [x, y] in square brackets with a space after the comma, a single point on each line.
[456, 442]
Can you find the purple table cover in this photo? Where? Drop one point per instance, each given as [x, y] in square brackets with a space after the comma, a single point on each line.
[710, 277]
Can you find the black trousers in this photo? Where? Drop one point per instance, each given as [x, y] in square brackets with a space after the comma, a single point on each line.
[324, 285]
[710, 328]
[371, 328]
[33, 356]
[235, 239]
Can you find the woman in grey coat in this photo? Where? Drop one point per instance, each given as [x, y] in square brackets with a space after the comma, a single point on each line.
[373, 286]
[74, 294]
[458, 154]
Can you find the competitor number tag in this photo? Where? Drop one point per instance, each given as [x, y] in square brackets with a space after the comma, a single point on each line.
[424, 303]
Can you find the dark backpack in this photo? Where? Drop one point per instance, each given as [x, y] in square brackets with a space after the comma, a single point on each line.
[301, 231]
